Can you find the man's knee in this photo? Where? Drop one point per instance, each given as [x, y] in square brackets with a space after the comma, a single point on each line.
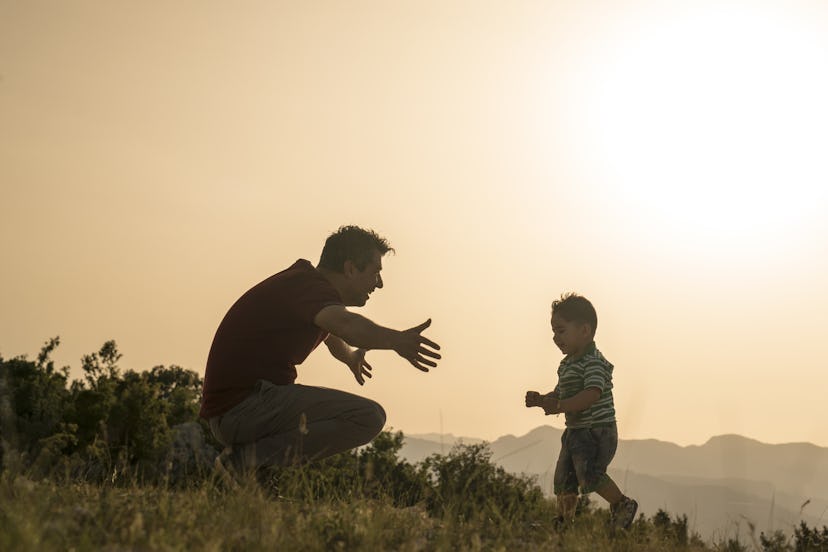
[366, 423]
[375, 417]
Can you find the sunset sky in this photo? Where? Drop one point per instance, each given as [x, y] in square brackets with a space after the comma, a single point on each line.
[667, 160]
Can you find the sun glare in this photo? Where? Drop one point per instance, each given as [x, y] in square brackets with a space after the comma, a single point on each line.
[712, 126]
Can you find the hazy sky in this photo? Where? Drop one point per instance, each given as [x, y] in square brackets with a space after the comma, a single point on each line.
[667, 160]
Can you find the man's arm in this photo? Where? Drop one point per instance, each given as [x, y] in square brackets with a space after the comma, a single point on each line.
[353, 358]
[339, 349]
[358, 331]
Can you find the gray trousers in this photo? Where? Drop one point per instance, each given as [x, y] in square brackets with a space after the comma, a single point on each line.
[288, 424]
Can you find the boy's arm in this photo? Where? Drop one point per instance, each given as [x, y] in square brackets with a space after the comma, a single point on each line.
[533, 398]
[581, 401]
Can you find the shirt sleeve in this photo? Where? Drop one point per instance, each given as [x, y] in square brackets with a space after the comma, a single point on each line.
[312, 296]
[595, 375]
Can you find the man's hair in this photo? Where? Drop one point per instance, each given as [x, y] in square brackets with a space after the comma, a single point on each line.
[351, 243]
[575, 308]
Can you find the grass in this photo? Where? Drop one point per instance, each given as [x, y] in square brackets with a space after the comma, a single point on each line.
[47, 516]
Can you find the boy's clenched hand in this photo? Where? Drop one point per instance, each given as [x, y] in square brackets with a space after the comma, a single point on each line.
[533, 398]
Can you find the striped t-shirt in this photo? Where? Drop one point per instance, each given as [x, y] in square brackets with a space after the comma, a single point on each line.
[577, 374]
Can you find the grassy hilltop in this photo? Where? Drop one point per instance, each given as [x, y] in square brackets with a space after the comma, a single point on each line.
[337, 505]
[95, 465]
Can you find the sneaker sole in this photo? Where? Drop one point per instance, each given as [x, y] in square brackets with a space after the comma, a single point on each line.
[225, 475]
[632, 516]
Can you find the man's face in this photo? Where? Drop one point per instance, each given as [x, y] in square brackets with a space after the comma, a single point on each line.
[363, 282]
[572, 338]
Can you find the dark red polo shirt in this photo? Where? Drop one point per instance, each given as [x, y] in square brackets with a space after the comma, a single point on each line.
[265, 334]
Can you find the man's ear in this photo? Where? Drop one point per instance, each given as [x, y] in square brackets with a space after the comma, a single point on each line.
[348, 268]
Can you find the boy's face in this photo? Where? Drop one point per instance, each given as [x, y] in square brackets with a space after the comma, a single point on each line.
[572, 338]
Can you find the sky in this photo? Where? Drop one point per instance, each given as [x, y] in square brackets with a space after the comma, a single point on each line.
[665, 159]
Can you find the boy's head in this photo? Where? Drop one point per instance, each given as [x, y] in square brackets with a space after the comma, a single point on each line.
[574, 322]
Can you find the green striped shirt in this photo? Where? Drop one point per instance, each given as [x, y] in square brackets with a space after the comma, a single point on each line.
[577, 374]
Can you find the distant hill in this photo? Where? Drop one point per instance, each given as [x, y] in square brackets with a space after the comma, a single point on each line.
[721, 485]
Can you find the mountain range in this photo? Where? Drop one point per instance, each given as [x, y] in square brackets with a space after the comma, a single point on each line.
[725, 486]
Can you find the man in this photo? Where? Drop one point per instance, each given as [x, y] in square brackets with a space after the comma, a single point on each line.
[253, 406]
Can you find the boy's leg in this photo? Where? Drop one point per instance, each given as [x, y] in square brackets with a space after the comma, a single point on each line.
[591, 459]
[610, 492]
[592, 450]
[607, 440]
[567, 504]
[285, 424]
[622, 507]
[566, 481]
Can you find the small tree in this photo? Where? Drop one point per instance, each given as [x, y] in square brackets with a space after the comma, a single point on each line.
[137, 429]
[672, 530]
[180, 390]
[810, 540]
[775, 542]
[385, 474]
[467, 484]
[38, 401]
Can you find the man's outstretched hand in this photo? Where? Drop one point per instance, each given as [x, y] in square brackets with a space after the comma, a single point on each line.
[359, 367]
[416, 348]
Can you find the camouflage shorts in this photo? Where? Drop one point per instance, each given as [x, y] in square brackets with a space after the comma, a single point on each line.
[585, 455]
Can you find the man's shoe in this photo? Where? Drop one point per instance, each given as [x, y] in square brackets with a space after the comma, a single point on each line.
[268, 481]
[225, 470]
[624, 513]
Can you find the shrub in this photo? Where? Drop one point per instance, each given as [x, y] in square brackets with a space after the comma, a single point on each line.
[810, 540]
[108, 423]
[466, 484]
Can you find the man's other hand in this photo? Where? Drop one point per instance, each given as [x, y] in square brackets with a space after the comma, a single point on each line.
[359, 367]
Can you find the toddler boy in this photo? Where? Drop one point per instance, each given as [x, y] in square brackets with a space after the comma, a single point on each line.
[584, 395]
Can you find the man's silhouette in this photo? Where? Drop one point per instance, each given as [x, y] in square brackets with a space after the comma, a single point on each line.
[253, 405]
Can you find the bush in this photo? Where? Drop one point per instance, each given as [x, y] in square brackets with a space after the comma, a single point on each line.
[37, 402]
[810, 540]
[671, 530]
[104, 425]
[775, 542]
[467, 485]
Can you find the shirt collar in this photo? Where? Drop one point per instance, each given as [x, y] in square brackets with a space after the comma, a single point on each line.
[591, 348]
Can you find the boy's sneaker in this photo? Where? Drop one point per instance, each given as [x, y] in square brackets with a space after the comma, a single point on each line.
[559, 524]
[623, 513]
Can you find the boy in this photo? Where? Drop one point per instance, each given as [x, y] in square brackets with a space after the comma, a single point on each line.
[584, 395]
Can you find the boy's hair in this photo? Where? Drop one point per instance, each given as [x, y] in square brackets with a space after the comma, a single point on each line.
[576, 308]
[351, 243]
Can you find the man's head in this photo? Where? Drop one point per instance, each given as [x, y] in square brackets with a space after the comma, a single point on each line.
[352, 259]
[574, 322]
